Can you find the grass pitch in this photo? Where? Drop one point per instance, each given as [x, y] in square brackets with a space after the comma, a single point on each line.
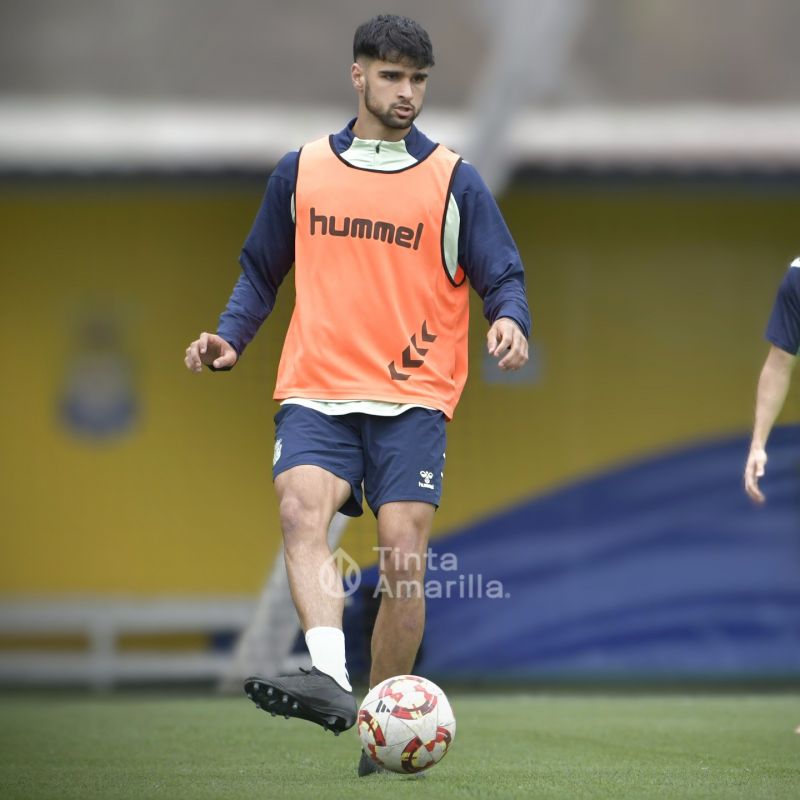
[506, 746]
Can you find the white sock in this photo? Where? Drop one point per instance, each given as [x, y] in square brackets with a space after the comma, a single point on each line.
[326, 646]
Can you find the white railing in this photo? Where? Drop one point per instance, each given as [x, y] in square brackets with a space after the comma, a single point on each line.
[102, 621]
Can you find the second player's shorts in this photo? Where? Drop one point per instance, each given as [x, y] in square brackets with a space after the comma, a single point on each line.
[397, 458]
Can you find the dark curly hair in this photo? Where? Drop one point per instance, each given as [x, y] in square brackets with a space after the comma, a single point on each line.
[388, 37]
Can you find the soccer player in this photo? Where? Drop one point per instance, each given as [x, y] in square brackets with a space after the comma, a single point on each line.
[386, 230]
[783, 333]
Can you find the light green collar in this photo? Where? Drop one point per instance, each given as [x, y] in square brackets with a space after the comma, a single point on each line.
[378, 154]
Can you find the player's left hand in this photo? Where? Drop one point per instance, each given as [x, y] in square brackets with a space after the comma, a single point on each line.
[754, 469]
[506, 341]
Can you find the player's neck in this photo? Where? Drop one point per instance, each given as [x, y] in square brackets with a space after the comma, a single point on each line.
[368, 126]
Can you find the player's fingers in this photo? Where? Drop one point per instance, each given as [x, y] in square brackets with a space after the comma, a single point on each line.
[517, 356]
[509, 361]
[759, 473]
[755, 493]
[505, 343]
[193, 356]
[227, 359]
[491, 340]
[203, 340]
[512, 361]
[751, 476]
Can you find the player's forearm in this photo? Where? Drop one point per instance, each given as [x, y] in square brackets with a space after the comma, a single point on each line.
[243, 315]
[514, 306]
[506, 296]
[773, 386]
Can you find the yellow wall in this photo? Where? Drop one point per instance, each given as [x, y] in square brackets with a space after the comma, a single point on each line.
[649, 308]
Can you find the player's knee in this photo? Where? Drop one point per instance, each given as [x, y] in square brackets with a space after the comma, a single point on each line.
[402, 573]
[408, 532]
[300, 522]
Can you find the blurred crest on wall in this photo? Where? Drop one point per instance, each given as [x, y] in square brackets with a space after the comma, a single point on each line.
[98, 399]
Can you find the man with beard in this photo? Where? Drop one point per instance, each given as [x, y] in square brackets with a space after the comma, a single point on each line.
[386, 230]
[783, 334]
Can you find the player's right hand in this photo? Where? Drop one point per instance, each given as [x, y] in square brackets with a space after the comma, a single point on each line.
[754, 469]
[211, 350]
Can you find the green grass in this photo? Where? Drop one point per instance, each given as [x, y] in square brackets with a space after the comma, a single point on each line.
[521, 745]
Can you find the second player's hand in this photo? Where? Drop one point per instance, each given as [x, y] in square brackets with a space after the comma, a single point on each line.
[754, 469]
[210, 350]
[506, 341]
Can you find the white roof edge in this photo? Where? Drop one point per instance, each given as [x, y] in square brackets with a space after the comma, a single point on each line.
[112, 135]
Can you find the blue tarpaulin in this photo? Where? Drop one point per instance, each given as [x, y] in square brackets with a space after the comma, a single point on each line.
[661, 568]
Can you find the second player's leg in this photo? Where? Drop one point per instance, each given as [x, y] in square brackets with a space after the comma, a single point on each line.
[308, 497]
[403, 531]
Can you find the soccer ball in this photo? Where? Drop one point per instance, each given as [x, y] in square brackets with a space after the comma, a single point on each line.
[406, 724]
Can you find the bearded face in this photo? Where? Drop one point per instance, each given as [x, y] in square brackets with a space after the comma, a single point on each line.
[393, 92]
[398, 113]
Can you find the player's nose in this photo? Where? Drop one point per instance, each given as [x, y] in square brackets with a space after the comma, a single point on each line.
[404, 90]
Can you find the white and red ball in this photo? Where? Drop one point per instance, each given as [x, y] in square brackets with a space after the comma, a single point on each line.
[406, 724]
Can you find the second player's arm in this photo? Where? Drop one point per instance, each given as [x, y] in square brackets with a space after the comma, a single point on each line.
[773, 386]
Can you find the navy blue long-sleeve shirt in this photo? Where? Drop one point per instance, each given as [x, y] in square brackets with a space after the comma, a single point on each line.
[783, 329]
[486, 250]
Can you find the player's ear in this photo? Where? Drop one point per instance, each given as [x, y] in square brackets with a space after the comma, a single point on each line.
[357, 76]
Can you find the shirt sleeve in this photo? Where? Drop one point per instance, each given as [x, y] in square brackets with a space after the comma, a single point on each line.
[487, 252]
[243, 316]
[266, 258]
[783, 329]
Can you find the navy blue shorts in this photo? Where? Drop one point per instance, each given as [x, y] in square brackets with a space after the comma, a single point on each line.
[397, 458]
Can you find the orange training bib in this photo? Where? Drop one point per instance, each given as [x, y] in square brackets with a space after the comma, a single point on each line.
[377, 315]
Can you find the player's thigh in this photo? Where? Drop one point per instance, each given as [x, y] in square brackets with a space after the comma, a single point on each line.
[318, 463]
